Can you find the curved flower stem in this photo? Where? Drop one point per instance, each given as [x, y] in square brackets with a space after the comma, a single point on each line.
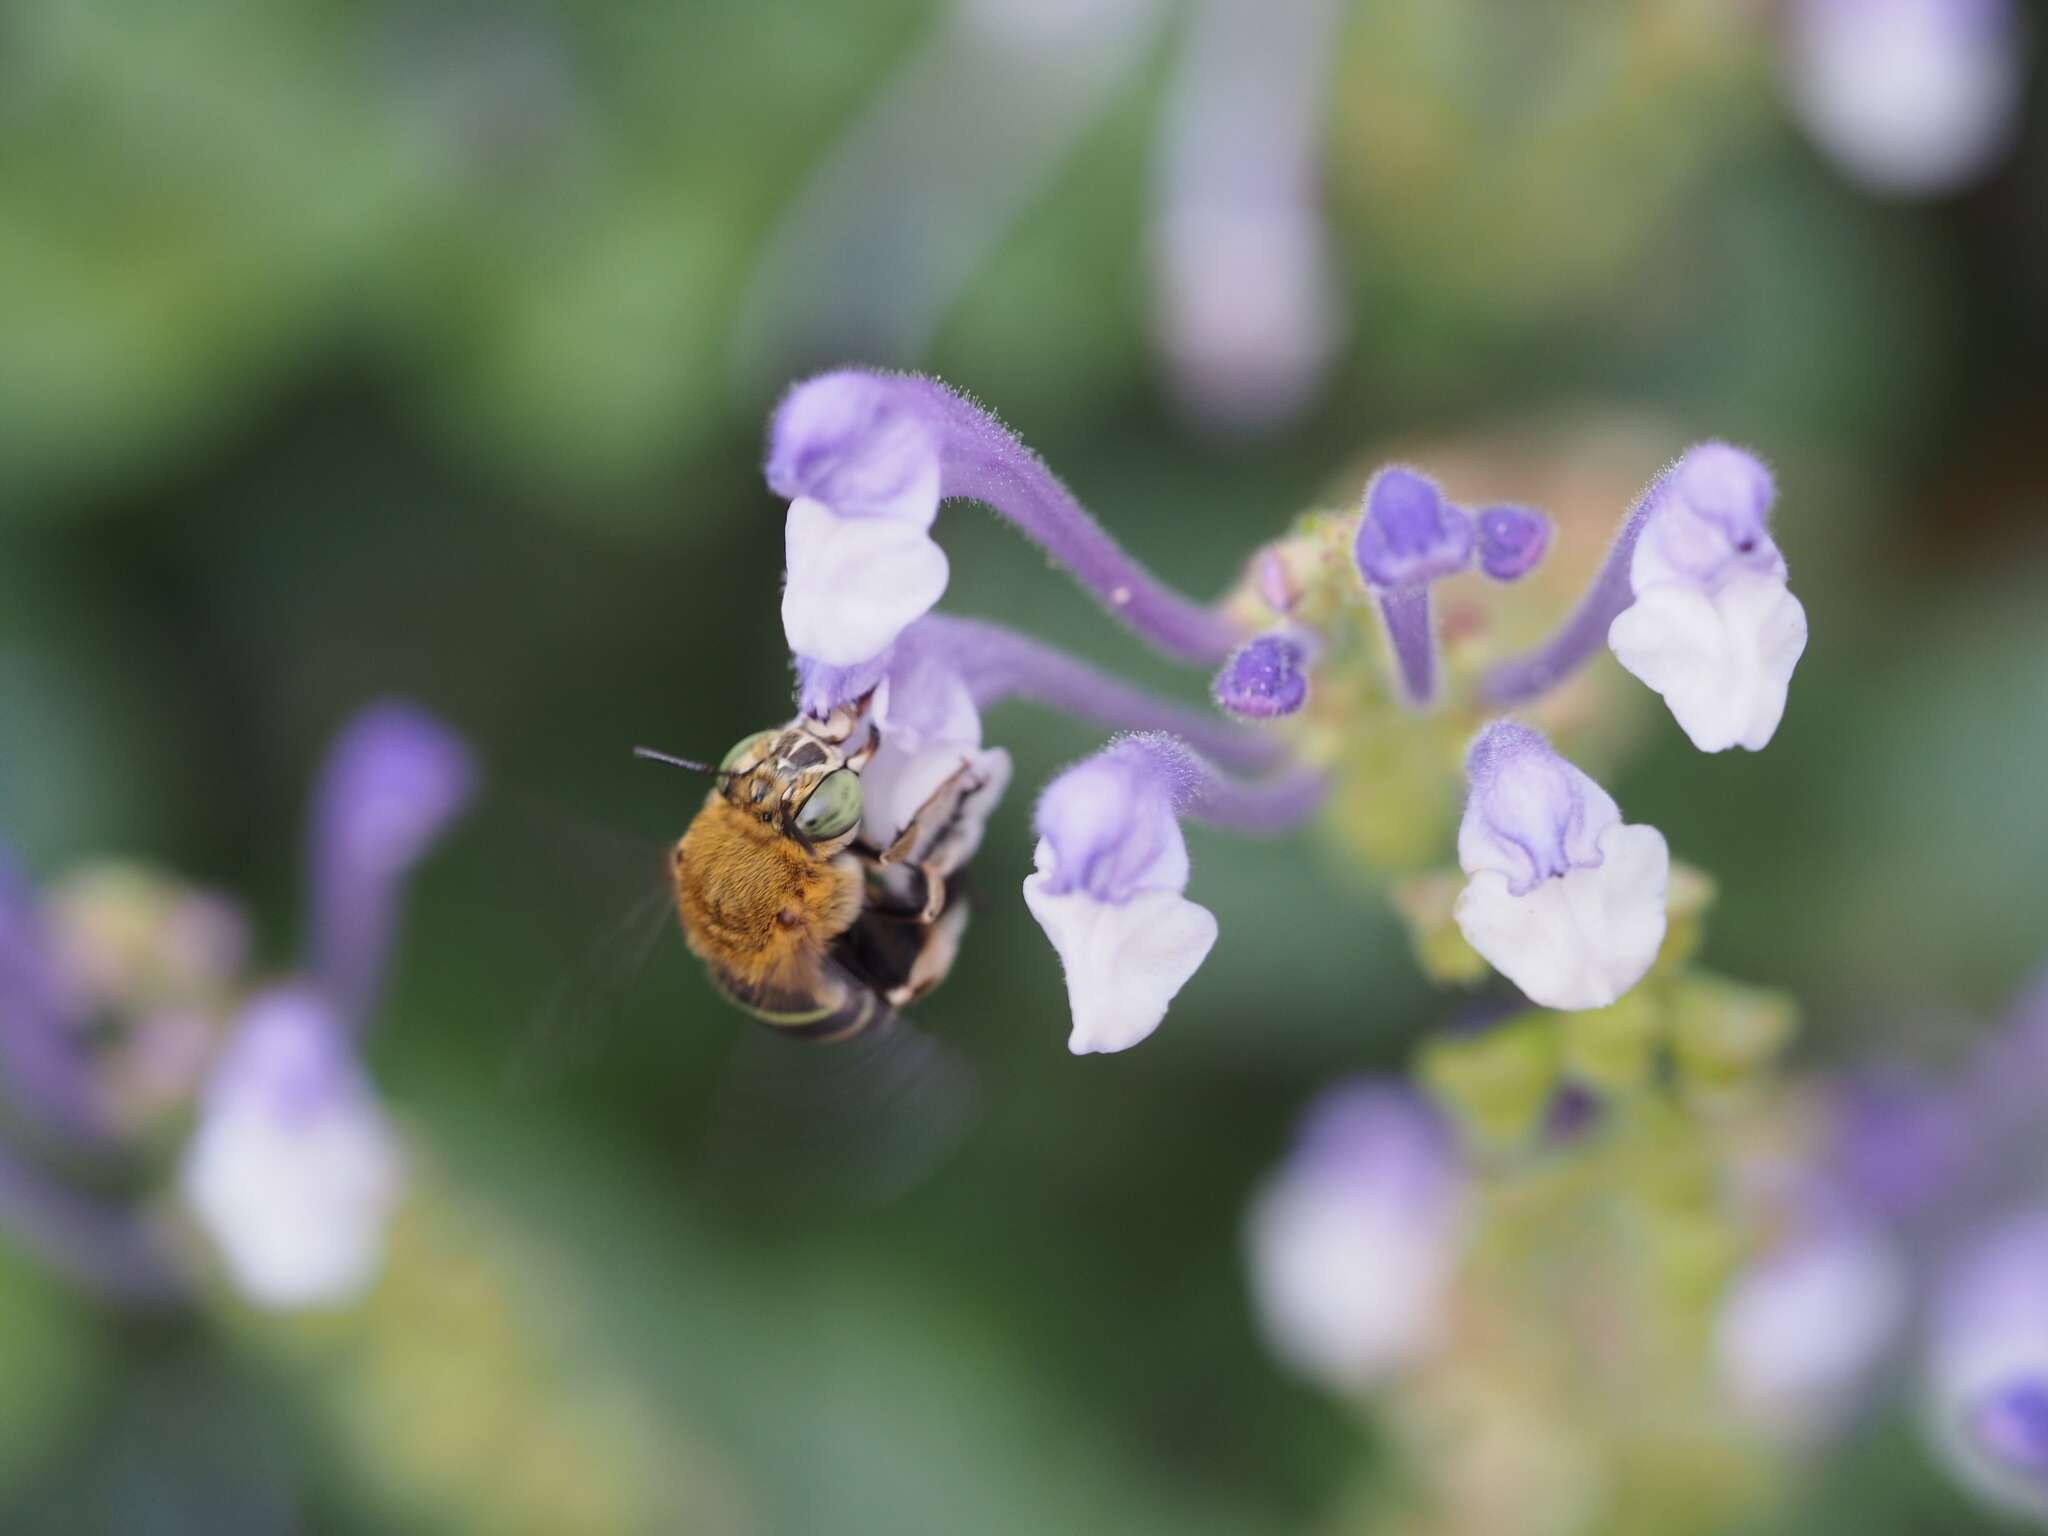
[1410, 629]
[1530, 676]
[1278, 802]
[1275, 803]
[999, 663]
[108, 1250]
[983, 460]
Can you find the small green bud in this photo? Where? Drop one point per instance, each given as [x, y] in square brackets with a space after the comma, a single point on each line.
[1687, 900]
[1425, 903]
[1614, 1048]
[1724, 1035]
[1497, 1083]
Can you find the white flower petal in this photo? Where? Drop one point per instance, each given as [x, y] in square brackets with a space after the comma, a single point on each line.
[898, 783]
[1578, 940]
[1722, 660]
[1124, 961]
[293, 1169]
[855, 583]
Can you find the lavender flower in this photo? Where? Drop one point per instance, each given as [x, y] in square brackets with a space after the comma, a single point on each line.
[1247, 312]
[865, 459]
[1987, 1364]
[392, 783]
[1409, 537]
[293, 1169]
[1909, 97]
[1266, 678]
[1692, 598]
[1713, 627]
[1353, 1242]
[1111, 867]
[1802, 1327]
[1563, 899]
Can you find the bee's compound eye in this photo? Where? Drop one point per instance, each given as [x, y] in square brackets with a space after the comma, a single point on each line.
[742, 749]
[833, 808]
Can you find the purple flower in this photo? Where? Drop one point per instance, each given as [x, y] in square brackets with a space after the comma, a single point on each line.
[1564, 899]
[1713, 627]
[1512, 541]
[1353, 1242]
[1111, 867]
[392, 783]
[865, 459]
[1266, 678]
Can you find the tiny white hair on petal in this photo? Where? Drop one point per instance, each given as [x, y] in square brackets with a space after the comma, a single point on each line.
[855, 583]
[1124, 961]
[1722, 659]
[293, 1169]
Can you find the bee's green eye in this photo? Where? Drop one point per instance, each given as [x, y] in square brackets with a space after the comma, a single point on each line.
[745, 745]
[833, 808]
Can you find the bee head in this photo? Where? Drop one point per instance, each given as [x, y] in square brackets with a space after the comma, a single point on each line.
[790, 778]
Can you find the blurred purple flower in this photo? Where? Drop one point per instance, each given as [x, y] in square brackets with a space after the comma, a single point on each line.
[392, 783]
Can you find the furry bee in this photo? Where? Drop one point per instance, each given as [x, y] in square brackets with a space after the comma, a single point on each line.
[801, 923]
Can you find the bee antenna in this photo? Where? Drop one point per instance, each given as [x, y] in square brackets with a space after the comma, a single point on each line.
[679, 762]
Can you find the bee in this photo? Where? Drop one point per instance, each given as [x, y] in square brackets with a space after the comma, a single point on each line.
[801, 923]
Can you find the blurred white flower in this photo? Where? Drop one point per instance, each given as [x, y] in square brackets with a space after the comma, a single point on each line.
[1909, 97]
[1353, 1242]
[293, 1169]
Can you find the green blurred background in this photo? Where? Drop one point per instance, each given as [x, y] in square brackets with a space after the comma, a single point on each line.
[354, 350]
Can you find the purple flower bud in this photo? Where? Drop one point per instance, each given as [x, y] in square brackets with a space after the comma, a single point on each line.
[393, 782]
[1410, 536]
[1267, 678]
[1512, 541]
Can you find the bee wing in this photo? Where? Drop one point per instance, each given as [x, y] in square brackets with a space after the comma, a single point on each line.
[861, 1121]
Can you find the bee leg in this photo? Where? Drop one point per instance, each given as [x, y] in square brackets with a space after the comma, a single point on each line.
[935, 958]
[940, 837]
